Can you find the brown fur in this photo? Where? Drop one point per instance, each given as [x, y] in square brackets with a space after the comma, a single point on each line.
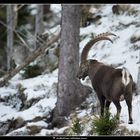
[107, 82]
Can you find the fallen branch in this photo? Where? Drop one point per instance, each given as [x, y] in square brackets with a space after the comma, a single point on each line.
[31, 58]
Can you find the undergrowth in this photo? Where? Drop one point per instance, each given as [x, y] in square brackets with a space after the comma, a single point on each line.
[105, 125]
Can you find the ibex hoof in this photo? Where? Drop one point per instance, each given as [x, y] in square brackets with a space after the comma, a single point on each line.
[130, 122]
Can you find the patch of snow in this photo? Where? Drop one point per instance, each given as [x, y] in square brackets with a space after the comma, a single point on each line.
[61, 130]
[19, 132]
[56, 8]
[40, 123]
[6, 112]
[82, 114]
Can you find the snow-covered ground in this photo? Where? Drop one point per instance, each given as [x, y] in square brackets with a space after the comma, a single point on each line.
[41, 90]
[125, 27]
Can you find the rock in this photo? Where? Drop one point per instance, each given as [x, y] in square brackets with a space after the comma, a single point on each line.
[33, 129]
[11, 124]
[18, 122]
[59, 122]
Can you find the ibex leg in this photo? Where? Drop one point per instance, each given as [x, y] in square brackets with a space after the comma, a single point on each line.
[107, 105]
[102, 103]
[118, 106]
[129, 104]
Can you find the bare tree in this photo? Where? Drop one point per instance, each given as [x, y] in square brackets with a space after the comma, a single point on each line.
[11, 24]
[39, 21]
[70, 91]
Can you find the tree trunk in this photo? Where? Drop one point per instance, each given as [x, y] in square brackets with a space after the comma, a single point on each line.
[70, 91]
[39, 22]
[10, 25]
[46, 9]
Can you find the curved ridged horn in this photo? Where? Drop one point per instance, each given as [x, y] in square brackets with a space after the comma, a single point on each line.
[103, 36]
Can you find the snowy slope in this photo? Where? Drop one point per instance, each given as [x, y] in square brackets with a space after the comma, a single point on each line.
[124, 27]
[41, 90]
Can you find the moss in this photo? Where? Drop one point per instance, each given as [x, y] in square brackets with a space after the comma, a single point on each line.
[31, 71]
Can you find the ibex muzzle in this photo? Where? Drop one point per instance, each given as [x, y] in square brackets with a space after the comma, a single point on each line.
[83, 71]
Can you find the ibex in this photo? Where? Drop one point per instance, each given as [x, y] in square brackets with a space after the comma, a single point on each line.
[110, 84]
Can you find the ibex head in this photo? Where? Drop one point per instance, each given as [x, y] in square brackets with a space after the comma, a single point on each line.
[84, 66]
[83, 70]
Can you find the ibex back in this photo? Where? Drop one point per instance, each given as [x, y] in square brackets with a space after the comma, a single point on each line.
[110, 84]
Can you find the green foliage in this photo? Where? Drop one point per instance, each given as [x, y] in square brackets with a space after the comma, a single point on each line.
[31, 71]
[105, 125]
[76, 126]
